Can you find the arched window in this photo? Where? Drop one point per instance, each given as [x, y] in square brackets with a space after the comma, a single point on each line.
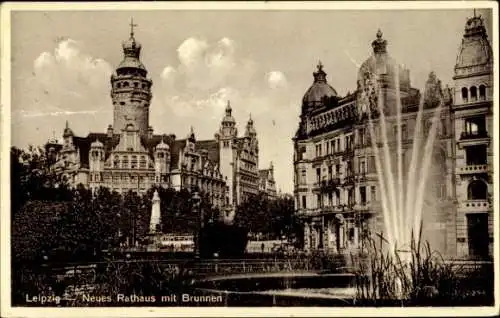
[118, 85]
[477, 190]
[473, 93]
[482, 92]
[125, 84]
[465, 94]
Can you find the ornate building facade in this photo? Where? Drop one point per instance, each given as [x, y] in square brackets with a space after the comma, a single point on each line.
[336, 186]
[130, 157]
[473, 127]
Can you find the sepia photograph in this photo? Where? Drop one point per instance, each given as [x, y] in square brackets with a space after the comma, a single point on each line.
[253, 157]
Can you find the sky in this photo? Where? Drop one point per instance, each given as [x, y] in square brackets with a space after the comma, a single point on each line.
[262, 61]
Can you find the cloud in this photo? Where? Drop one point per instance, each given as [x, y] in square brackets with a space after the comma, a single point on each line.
[66, 83]
[276, 79]
[208, 74]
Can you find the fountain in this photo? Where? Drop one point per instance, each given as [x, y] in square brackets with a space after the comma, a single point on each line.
[402, 202]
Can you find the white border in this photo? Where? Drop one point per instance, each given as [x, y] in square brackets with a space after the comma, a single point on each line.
[5, 26]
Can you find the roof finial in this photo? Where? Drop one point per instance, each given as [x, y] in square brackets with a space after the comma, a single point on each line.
[474, 12]
[54, 133]
[67, 125]
[132, 25]
[379, 34]
[320, 65]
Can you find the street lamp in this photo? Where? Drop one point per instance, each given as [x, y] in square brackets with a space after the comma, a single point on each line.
[197, 206]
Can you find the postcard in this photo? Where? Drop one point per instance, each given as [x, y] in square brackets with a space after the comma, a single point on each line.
[234, 159]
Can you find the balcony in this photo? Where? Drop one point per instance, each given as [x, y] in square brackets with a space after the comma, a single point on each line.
[349, 179]
[473, 139]
[473, 169]
[329, 185]
[361, 177]
[362, 207]
[348, 153]
[474, 135]
[474, 206]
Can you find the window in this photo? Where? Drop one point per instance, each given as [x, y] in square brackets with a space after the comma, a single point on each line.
[330, 199]
[125, 162]
[441, 190]
[476, 155]
[362, 195]
[125, 84]
[348, 168]
[337, 170]
[318, 174]
[373, 193]
[465, 94]
[350, 197]
[371, 164]
[133, 162]
[327, 148]
[362, 140]
[116, 162]
[482, 92]
[473, 93]
[136, 84]
[330, 172]
[475, 126]
[337, 197]
[444, 131]
[304, 205]
[362, 167]
[319, 201]
[142, 163]
[404, 132]
[477, 190]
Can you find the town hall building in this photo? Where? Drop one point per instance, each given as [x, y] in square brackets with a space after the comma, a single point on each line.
[128, 156]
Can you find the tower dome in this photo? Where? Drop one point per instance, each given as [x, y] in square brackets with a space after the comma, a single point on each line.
[475, 54]
[96, 144]
[382, 66]
[319, 90]
[131, 53]
[162, 146]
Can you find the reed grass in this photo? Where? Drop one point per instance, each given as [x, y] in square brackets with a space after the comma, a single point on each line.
[415, 276]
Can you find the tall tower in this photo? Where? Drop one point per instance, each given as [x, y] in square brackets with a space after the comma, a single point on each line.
[131, 89]
[227, 150]
[473, 146]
